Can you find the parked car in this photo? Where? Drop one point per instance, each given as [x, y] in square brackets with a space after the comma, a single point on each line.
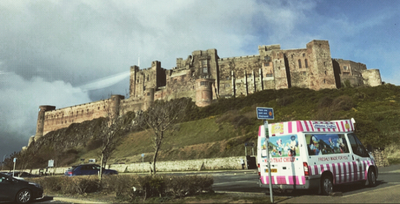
[19, 191]
[88, 169]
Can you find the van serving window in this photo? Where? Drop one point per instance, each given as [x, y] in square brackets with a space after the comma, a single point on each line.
[323, 144]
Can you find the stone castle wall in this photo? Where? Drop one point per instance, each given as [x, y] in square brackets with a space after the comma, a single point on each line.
[204, 77]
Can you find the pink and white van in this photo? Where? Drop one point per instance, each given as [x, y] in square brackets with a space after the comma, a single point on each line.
[313, 154]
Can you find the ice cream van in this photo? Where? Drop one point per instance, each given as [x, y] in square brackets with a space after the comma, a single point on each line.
[313, 155]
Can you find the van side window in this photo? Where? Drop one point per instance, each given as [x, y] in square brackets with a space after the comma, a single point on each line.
[357, 146]
[323, 144]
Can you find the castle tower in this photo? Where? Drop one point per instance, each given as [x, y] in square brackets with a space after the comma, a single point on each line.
[132, 81]
[372, 77]
[321, 67]
[40, 120]
[149, 98]
[204, 92]
[115, 102]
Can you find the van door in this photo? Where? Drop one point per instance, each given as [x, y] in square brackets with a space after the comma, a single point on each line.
[360, 157]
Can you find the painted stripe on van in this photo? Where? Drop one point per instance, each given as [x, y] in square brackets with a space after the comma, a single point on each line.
[307, 126]
[343, 172]
[285, 180]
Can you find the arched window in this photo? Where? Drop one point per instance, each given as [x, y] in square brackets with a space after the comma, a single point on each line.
[299, 63]
[306, 63]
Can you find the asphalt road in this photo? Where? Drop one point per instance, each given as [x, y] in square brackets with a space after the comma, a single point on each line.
[388, 183]
[246, 182]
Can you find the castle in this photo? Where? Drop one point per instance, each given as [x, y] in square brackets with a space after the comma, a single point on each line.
[205, 77]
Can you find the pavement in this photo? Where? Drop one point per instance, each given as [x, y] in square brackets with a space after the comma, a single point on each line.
[389, 194]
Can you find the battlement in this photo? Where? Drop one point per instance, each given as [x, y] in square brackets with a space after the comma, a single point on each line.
[204, 77]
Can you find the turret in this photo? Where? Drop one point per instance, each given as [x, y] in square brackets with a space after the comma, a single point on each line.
[148, 97]
[40, 120]
[114, 106]
[204, 93]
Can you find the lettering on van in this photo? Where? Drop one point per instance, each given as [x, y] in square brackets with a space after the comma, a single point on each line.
[282, 159]
[333, 158]
[324, 125]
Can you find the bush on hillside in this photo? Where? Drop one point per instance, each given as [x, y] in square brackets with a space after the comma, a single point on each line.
[343, 102]
[284, 101]
[241, 121]
[94, 143]
[324, 102]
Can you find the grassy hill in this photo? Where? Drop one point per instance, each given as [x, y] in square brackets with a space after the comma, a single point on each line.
[221, 129]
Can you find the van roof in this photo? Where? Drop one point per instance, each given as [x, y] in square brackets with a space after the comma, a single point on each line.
[313, 126]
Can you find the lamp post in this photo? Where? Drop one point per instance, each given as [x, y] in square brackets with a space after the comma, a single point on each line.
[2, 163]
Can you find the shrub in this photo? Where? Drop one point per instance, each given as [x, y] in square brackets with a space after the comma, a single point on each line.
[94, 144]
[80, 185]
[343, 102]
[241, 121]
[227, 116]
[284, 101]
[324, 102]
[324, 114]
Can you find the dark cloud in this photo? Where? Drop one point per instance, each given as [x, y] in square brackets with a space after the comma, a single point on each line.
[51, 51]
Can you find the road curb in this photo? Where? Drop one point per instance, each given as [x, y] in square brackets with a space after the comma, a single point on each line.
[75, 200]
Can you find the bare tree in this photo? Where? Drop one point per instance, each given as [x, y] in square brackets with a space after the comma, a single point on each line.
[111, 133]
[160, 117]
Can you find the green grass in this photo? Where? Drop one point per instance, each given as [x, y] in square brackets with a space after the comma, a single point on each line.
[213, 131]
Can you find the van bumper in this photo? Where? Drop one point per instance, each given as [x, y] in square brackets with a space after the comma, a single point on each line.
[311, 183]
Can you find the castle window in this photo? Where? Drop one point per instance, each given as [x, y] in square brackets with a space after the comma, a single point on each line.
[306, 63]
[227, 78]
[266, 64]
[324, 81]
[203, 83]
[204, 66]
[147, 77]
[226, 85]
[148, 93]
[345, 68]
[144, 88]
[268, 75]
[299, 63]
[304, 55]
[324, 63]
[325, 72]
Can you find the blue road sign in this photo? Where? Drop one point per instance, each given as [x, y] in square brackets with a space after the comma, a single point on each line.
[265, 113]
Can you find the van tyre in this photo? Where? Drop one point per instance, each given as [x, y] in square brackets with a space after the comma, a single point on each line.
[326, 185]
[371, 178]
[23, 196]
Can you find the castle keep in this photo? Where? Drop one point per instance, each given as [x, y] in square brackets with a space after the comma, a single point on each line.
[204, 77]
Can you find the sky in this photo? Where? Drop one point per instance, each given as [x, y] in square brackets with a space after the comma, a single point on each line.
[69, 52]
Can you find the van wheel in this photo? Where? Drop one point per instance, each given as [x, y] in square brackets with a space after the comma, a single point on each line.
[326, 185]
[23, 196]
[371, 178]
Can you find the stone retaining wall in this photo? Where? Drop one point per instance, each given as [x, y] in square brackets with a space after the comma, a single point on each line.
[185, 165]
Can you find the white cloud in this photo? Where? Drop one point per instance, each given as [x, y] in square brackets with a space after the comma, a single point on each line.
[54, 45]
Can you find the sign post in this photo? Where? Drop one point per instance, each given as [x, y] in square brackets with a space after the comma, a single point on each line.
[267, 114]
[15, 161]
